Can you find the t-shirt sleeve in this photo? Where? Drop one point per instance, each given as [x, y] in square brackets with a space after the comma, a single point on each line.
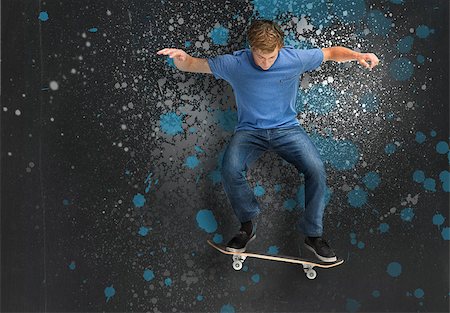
[223, 66]
[310, 59]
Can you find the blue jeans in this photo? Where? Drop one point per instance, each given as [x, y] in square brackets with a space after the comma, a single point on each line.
[293, 145]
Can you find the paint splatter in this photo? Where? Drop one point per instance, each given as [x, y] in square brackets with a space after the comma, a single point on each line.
[371, 180]
[259, 190]
[218, 238]
[206, 221]
[93, 30]
[148, 275]
[43, 16]
[256, 278]
[273, 250]
[407, 214]
[143, 231]
[109, 292]
[219, 35]
[171, 123]
[394, 269]
[227, 308]
[378, 23]
[357, 198]
[168, 282]
[420, 137]
[352, 305]
[390, 148]
[401, 69]
[445, 233]
[138, 200]
[419, 293]
[383, 228]
[72, 265]
[192, 162]
[419, 176]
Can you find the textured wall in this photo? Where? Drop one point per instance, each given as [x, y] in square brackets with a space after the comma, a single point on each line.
[111, 159]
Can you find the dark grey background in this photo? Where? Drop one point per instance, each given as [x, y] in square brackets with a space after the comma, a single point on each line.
[70, 173]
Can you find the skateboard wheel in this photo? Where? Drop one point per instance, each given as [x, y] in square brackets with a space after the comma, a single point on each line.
[311, 274]
[237, 265]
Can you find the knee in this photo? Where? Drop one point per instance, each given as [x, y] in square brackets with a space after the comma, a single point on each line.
[232, 168]
[316, 169]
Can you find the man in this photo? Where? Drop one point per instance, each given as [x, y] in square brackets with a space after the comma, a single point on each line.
[265, 80]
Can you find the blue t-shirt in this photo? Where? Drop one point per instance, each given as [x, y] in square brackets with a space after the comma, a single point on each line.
[265, 98]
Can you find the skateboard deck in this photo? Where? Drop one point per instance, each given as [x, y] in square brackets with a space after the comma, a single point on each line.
[308, 265]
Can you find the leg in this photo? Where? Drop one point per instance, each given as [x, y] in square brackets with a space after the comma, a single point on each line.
[296, 147]
[243, 150]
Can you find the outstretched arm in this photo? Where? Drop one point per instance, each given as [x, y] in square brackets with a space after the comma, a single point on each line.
[342, 54]
[185, 62]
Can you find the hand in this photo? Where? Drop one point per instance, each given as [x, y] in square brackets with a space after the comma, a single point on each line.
[174, 53]
[368, 57]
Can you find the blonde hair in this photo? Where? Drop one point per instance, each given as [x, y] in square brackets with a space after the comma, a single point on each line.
[265, 35]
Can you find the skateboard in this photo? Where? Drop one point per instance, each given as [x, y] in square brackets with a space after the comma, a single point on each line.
[308, 265]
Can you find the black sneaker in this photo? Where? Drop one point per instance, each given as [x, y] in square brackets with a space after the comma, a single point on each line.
[320, 248]
[240, 241]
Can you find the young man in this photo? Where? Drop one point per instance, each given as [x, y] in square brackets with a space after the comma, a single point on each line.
[265, 81]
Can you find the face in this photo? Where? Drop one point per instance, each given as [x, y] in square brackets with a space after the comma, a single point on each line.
[264, 59]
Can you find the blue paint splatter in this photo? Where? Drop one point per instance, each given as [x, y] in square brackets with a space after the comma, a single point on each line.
[349, 11]
[227, 119]
[242, 288]
[259, 190]
[215, 176]
[421, 59]
[200, 298]
[404, 45]
[227, 308]
[369, 102]
[429, 184]
[66, 202]
[352, 305]
[444, 176]
[109, 292]
[376, 293]
[445, 233]
[419, 293]
[371, 180]
[277, 188]
[394, 269]
[143, 231]
[138, 200]
[378, 23]
[419, 176]
[321, 99]
[442, 147]
[171, 123]
[407, 214]
[256, 278]
[357, 198]
[206, 221]
[361, 245]
[72, 265]
[148, 275]
[401, 69]
[420, 137]
[290, 204]
[390, 148]
[43, 16]
[218, 238]
[383, 228]
[342, 155]
[168, 282]
[273, 250]
[438, 219]
[93, 30]
[423, 31]
[219, 35]
[199, 150]
[192, 162]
